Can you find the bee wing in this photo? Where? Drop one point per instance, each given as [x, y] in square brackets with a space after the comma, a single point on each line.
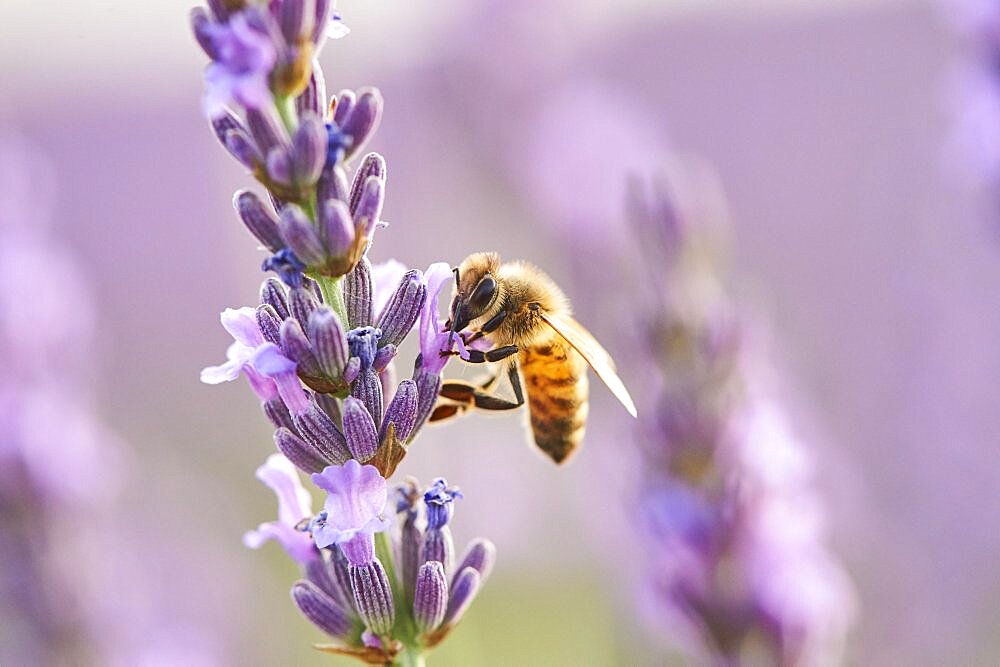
[595, 355]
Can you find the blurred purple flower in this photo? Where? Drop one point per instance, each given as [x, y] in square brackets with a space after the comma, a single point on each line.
[294, 505]
[354, 510]
[245, 57]
[739, 564]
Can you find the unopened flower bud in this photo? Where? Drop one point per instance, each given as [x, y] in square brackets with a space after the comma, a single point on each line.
[401, 312]
[272, 293]
[305, 456]
[402, 411]
[301, 236]
[329, 343]
[430, 597]
[322, 610]
[359, 430]
[308, 150]
[462, 594]
[336, 227]
[318, 429]
[480, 555]
[258, 219]
[358, 294]
[296, 347]
[373, 596]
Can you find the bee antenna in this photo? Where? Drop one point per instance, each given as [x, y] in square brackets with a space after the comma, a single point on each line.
[455, 271]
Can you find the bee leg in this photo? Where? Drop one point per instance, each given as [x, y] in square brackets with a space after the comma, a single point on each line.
[466, 395]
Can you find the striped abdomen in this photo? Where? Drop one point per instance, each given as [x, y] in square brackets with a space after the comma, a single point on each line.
[555, 380]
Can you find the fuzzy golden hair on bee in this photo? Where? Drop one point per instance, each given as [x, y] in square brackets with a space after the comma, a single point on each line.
[527, 319]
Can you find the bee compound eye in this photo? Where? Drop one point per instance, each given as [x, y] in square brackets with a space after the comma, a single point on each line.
[483, 293]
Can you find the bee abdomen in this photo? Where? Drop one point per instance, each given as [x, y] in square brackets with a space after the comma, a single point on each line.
[555, 378]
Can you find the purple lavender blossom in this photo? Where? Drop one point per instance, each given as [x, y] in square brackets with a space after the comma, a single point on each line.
[243, 58]
[353, 511]
[739, 569]
[294, 505]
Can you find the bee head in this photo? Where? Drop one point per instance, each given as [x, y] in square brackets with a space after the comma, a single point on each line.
[475, 288]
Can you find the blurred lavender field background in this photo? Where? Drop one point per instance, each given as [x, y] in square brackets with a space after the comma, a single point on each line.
[874, 261]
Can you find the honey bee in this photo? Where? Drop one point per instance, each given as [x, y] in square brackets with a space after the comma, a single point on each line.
[522, 312]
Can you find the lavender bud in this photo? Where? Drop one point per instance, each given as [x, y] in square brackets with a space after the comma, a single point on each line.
[270, 325]
[373, 596]
[363, 119]
[438, 545]
[267, 130]
[258, 219]
[480, 555]
[224, 123]
[323, 611]
[332, 184]
[272, 293]
[462, 593]
[402, 411]
[294, 20]
[320, 20]
[336, 227]
[302, 303]
[358, 294]
[359, 429]
[318, 429]
[309, 149]
[304, 455]
[301, 236]
[313, 98]
[328, 341]
[369, 208]
[368, 390]
[296, 347]
[200, 26]
[277, 413]
[279, 166]
[343, 106]
[403, 308]
[241, 146]
[428, 387]
[430, 597]
[372, 165]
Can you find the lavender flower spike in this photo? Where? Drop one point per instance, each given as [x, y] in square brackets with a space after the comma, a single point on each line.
[354, 510]
[294, 505]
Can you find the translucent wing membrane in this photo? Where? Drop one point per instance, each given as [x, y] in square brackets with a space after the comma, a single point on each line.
[598, 358]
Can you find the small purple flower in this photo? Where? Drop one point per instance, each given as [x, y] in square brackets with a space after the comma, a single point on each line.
[294, 505]
[439, 499]
[353, 511]
[244, 60]
[434, 339]
[242, 325]
[269, 371]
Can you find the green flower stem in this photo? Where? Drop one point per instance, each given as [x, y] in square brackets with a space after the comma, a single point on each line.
[286, 109]
[334, 296]
[410, 656]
